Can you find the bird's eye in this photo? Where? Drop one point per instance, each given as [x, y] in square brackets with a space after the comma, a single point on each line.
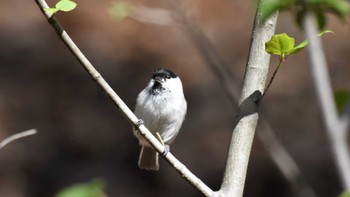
[168, 76]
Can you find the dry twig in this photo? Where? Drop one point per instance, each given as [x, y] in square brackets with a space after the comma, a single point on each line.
[16, 137]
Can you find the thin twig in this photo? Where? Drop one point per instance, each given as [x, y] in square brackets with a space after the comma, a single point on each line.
[16, 137]
[273, 76]
[129, 115]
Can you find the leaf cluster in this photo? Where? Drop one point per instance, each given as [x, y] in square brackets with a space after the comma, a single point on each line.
[320, 8]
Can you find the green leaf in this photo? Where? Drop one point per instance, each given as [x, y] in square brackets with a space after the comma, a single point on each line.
[93, 189]
[279, 44]
[339, 7]
[51, 10]
[298, 48]
[283, 45]
[342, 98]
[120, 10]
[269, 7]
[66, 5]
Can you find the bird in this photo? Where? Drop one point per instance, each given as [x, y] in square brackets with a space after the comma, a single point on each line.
[161, 106]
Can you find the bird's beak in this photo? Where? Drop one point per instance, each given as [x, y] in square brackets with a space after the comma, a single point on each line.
[159, 80]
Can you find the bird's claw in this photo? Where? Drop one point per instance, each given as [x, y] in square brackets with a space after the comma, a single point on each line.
[166, 150]
[139, 123]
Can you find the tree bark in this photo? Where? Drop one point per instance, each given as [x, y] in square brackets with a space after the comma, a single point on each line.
[253, 85]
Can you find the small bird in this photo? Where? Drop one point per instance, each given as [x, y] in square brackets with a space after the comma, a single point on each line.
[162, 108]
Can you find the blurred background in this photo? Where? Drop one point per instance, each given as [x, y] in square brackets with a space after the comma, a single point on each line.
[82, 135]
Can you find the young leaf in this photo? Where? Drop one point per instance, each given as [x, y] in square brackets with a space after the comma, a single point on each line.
[269, 7]
[66, 5]
[298, 48]
[51, 10]
[339, 7]
[279, 44]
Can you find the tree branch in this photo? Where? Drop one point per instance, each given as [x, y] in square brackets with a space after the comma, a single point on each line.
[335, 128]
[254, 80]
[129, 115]
[16, 137]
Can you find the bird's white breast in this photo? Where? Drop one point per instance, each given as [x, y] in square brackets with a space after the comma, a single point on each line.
[162, 113]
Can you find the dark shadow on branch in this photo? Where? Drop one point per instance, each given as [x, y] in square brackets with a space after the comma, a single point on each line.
[250, 105]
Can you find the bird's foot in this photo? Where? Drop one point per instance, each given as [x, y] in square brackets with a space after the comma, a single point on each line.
[160, 139]
[166, 147]
[166, 150]
[139, 123]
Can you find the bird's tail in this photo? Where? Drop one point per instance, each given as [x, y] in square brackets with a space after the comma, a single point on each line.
[148, 159]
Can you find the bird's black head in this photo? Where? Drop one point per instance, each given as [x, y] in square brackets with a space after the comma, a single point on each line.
[162, 73]
[160, 77]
